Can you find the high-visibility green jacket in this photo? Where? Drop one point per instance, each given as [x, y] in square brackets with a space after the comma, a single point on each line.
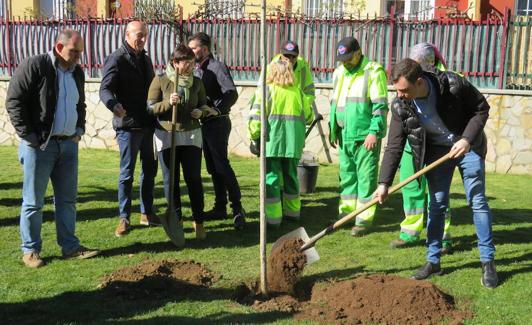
[288, 111]
[359, 102]
[303, 79]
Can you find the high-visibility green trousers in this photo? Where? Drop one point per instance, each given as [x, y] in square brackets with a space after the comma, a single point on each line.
[415, 200]
[281, 177]
[359, 169]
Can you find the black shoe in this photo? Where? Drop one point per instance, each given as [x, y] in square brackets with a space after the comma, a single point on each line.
[215, 214]
[489, 277]
[239, 219]
[426, 271]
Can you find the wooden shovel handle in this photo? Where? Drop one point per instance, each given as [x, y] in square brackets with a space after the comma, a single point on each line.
[374, 201]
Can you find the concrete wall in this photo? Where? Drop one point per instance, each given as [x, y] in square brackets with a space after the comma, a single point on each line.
[509, 128]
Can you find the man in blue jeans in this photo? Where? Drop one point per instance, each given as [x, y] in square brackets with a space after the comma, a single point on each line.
[127, 76]
[441, 113]
[46, 105]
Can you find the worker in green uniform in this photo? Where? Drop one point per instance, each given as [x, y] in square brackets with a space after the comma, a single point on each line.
[288, 111]
[357, 124]
[415, 198]
[301, 69]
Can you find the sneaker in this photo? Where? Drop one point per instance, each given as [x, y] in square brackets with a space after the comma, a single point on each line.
[122, 228]
[358, 231]
[149, 220]
[426, 271]
[400, 243]
[447, 248]
[81, 253]
[239, 219]
[200, 231]
[216, 214]
[489, 277]
[33, 260]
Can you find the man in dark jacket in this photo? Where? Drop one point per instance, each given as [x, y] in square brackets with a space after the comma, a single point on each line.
[221, 95]
[127, 75]
[46, 105]
[441, 114]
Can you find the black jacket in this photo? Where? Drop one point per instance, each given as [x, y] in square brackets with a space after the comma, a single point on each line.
[126, 80]
[462, 108]
[32, 97]
[219, 85]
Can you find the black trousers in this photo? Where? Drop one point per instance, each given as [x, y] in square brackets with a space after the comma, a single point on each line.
[189, 158]
[215, 141]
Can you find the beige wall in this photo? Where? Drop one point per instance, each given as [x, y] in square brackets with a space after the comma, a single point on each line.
[24, 7]
[509, 128]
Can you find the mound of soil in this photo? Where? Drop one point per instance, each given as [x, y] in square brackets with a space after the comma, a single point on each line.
[285, 265]
[158, 278]
[371, 299]
[381, 299]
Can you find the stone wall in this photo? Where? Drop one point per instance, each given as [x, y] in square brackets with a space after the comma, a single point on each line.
[509, 128]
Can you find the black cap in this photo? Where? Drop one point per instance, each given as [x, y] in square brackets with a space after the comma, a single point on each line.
[290, 48]
[346, 48]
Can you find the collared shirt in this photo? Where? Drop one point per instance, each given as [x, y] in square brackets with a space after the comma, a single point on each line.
[66, 115]
[437, 132]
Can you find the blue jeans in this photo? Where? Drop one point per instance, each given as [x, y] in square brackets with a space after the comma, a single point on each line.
[471, 167]
[130, 144]
[58, 162]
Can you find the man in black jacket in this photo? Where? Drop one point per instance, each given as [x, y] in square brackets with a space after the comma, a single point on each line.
[439, 114]
[127, 75]
[46, 105]
[221, 95]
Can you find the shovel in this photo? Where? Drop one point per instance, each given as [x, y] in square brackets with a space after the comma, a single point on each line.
[308, 248]
[170, 221]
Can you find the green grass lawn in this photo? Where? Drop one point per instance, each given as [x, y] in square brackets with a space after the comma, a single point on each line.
[66, 291]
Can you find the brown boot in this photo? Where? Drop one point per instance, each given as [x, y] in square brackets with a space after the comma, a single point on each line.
[149, 220]
[81, 253]
[122, 228]
[358, 231]
[200, 231]
[32, 260]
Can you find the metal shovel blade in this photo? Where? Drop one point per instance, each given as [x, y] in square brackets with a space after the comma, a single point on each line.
[311, 253]
[173, 228]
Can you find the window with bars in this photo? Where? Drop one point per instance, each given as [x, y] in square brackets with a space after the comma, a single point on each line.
[58, 9]
[524, 7]
[419, 9]
[399, 7]
[324, 8]
[224, 8]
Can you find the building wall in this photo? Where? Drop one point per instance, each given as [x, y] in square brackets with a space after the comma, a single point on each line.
[477, 8]
[509, 128]
[24, 7]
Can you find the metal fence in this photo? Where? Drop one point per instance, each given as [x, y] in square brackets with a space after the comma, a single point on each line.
[479, 50]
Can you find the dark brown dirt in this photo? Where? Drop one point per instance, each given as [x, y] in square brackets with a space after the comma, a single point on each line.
[371, 299]
[285, 265]
[381, 299]
[158, 278]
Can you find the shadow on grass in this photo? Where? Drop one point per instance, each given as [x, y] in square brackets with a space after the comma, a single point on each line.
[10, 186]
[104, 305]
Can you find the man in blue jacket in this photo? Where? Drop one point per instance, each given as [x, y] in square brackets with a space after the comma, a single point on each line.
[127, 75]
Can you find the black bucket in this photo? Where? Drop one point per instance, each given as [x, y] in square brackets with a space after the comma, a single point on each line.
[308, 176]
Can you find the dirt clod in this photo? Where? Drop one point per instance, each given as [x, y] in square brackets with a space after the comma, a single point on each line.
[285, 265]
[158, 278]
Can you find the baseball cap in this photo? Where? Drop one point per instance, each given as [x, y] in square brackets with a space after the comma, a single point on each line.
[346, 48]
[290, 48]
[423, 53]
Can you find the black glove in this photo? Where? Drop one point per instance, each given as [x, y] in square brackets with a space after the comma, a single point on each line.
[254, 147]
